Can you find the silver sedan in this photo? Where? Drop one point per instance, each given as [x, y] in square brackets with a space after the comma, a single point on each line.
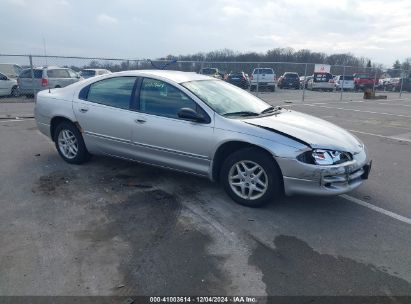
[201, 125]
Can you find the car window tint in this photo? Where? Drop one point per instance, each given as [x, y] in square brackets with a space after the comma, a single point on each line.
[3, 77]
[27, 73]
[346, 77]
[322, 77]
[160, 98]
[115, 92]
[267, 71]
[88, 73]
[58, 73]
[291, 75]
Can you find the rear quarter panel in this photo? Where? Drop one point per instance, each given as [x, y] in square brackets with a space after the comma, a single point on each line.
[52, 104]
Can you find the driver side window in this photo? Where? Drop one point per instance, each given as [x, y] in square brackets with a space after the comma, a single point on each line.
[163, 99]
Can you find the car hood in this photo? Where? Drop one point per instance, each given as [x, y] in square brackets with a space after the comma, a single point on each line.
[316, 132]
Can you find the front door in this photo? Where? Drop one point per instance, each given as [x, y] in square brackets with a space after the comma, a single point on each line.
[163, 138]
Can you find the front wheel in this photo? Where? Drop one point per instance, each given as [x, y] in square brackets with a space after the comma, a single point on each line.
[70, 144]
[251, 177]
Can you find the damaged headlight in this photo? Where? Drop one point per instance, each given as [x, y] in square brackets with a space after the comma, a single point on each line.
[324, 157]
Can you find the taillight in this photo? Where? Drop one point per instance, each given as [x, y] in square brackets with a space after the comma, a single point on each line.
[44, 82]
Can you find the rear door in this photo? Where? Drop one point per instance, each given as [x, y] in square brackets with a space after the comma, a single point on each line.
[103, 112]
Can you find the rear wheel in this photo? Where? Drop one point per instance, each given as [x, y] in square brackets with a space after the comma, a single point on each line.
[251, 177]
[70, 144]
[272, 88]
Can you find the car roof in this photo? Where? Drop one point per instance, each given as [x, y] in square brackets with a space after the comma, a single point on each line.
[50, 67]
[175, 76]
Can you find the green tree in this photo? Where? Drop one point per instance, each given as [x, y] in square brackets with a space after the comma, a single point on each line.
[396, 65]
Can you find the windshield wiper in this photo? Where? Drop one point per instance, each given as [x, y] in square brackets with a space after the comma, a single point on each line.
[241, 113]
[271, 109]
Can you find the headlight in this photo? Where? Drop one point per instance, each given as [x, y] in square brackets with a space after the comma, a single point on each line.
[324, 157]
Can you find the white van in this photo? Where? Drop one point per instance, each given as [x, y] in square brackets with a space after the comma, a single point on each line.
[11, 70]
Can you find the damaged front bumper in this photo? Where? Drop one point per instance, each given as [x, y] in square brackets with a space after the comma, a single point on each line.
[302, 178]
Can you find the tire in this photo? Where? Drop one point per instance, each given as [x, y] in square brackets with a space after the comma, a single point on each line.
[271, 177]
[272, 88]
[57, 87]
[252, 88]
[61, 136]
[15, 92]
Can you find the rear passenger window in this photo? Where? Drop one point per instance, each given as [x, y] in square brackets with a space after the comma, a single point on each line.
[160, 98]
[27, 74]
[115, 92]
[58, 73]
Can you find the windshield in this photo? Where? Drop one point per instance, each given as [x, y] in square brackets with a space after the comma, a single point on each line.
[225, 98]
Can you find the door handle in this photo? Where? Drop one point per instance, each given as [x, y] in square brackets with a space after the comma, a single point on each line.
[140, 121]
[83, 110]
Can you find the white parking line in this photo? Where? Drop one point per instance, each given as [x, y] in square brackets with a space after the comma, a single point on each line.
[361, 101]
[382, 136]
[355, 110]
[20, 119]
[377, 209]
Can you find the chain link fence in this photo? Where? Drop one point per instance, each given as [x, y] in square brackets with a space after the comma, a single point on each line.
[263, 79]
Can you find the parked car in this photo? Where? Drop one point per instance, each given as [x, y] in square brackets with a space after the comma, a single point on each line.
[345, 82]
[213, 72]
[388, 84]
[263, 78]
[304, 80]
[397, 86]
[11, 70]
[205, 126]
[240, 79]
[321, 81]
[45, 78]
[8, 86]
[364, 81]
[289, 80]
[87, 73]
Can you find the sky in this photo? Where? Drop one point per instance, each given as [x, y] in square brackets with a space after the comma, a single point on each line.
[136, 29]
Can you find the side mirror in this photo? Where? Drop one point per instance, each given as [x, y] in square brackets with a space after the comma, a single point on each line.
[190, 114]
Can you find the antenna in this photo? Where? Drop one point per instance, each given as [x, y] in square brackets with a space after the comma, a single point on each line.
[45, 52]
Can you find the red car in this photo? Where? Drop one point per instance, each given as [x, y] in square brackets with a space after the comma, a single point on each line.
[364, 81]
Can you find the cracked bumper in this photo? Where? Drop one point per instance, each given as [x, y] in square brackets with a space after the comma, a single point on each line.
[301, 178]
